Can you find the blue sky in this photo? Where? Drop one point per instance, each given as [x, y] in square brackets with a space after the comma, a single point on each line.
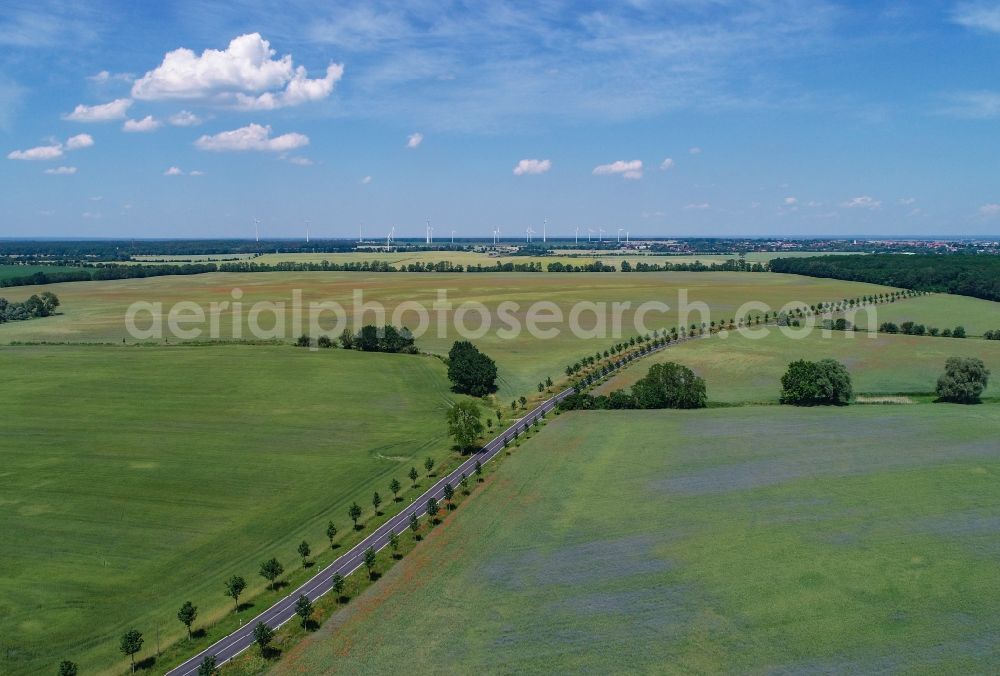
[751, 117]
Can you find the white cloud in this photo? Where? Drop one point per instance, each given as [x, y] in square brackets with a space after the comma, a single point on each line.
[196, 172]
[975, 105]
[53, 150]
[61, 171]
[414, 140]
[185, 118]
[978, 16]
[907, 201]
[631, 169]
[532, 167]
[366, 180]
[698, 206]
[251, 137]
[695, 150]
[173, 171]
[148, 123]
[79, 141]
[790, 201]
[666, 164]
[92, 215]
[989, 210]
[863, 202]
[244, 75]
[114, 110]
[106, 76]
[38, 153]
[300, 161]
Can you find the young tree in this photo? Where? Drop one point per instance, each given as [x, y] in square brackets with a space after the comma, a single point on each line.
[303, 608]
[130, 644]
[376, 501]
[354, 511]
[500, 413]
[304, 552]
[394, 543]
[67, 668]
[963, 380]
[449, 493]
[429, 465]
[207, 666]
[395, 488]
[823, 382]
[234, 587]
[187, 615]
[471, 371]
[464, 423]
[432, 508]
[523, 399]
[262, 636]
[465, 484]
[414, 523]
[479, 471]
[271, 570]
[331, 532]
[413, 476]
[337, 583]
[370, 560]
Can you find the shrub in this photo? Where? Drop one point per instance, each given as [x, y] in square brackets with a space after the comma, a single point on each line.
[816, 383]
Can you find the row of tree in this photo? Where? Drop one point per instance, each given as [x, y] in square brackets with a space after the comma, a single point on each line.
[914, 329]
[992, 334]
[43, 305]
[666, 385]
[370, 338]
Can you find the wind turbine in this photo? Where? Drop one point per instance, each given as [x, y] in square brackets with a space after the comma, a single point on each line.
[361, 227]
[590, 231]
[620, 235]
[307, 231]
[545, 224]
[256, 229]
[452, 236]
[528, 233]
[600, 234]
[576, 237]
[626, 237]
[430, 232]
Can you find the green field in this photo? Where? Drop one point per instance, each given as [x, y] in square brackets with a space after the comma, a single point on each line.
[761, 540]
[740, 369]
[9, 271]
[94, 311]
[136, 478]
[942, 310]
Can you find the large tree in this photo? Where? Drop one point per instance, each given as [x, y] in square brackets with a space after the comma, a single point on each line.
[303, 608]
[464, 423]
[669, 385]
[471, 371]
[234, 587]
[963, 380]
[262, 636]
[816, 383]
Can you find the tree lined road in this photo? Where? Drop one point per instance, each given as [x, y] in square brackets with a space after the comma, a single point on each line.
[322, 582]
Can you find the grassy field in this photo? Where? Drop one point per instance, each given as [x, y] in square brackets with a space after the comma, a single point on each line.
[136, 478]
[94, 311]
[692, 542]
[739, 369]
[943, 311]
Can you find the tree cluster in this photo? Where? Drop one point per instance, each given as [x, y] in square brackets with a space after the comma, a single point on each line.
[963, 380]
[963, 274]
[816, 383]
[666, 385]
[373, 338]
[470, 371]
[42, 305]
